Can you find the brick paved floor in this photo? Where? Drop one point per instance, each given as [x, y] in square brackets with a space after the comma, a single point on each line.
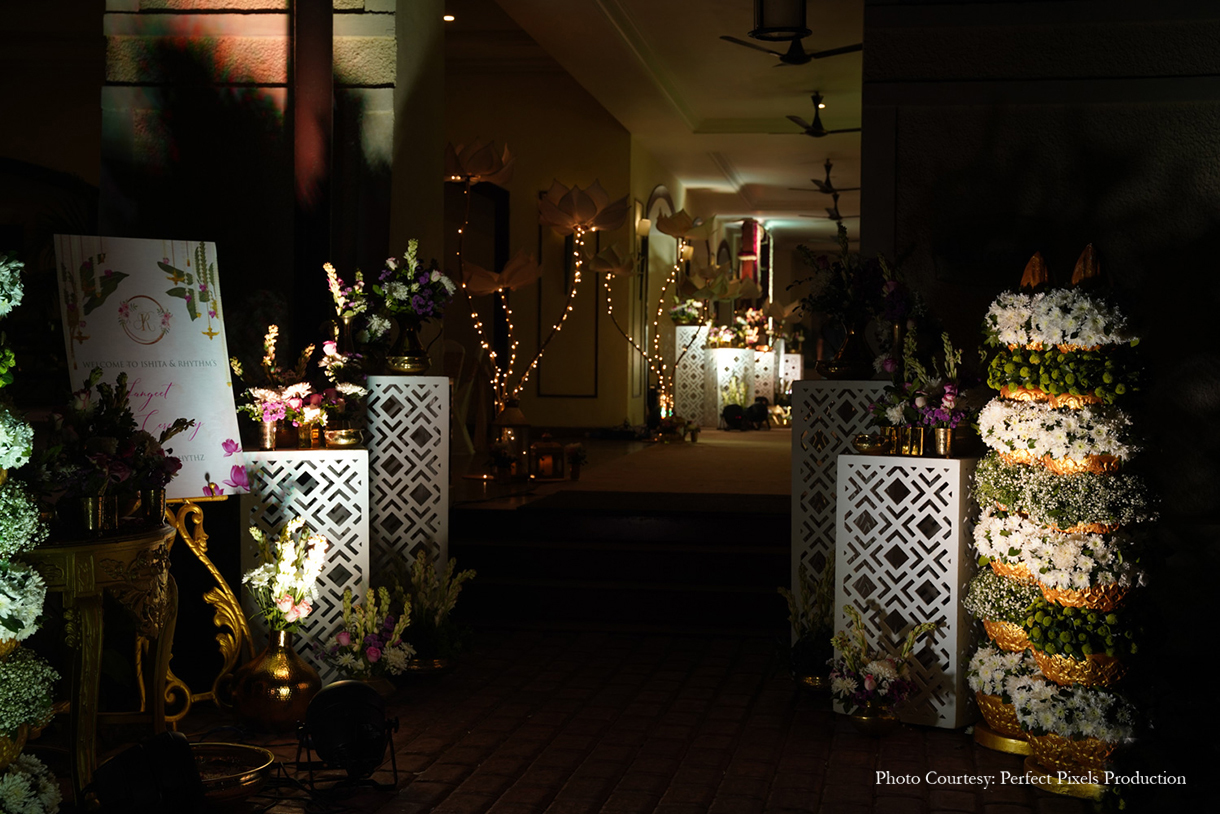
[566, 723]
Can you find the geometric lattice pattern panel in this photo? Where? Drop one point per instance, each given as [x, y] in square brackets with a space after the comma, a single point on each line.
[688, 371]
[764, 375]
[408, 444]
[826, 415]
[329, 489]
[726, 370]
[901, 559]
[791, 369]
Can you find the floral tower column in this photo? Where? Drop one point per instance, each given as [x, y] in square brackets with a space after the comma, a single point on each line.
[1057, 528]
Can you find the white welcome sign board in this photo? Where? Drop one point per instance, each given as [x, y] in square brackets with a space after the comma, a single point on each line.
[152, 309]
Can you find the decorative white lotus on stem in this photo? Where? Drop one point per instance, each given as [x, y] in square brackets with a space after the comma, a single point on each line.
[569, 210]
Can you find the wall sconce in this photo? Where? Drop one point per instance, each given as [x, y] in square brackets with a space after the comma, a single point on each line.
[642, 227]
[779, 20]
[686, 251]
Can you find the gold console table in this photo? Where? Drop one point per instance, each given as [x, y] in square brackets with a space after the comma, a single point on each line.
[134, 570]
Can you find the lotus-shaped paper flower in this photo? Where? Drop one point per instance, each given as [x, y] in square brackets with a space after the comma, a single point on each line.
[783, 313]
[566, 210]
[478, 163]
[717, 283]
[519, 272]
[611, 262]
[680, 224]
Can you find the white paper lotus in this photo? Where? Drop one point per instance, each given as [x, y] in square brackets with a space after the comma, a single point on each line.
[680, 224]
[565, 210]
[518, 272]
[478, 163]
[784, 313]
[611, 262]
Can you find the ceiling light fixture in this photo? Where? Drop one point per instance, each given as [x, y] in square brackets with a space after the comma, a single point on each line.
[779, 20]
[448, 18]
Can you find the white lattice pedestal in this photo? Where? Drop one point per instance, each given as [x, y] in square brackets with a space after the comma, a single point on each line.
[791, 369]
[409, 469]
[689, 341]
[826, 415]
[329, 489]
[724, 368]
[902, 557]
[764, 375]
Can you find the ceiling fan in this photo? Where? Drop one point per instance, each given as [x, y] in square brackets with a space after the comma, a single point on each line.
[796, 53]
[832, 212]
[817, 129]
[826, 187]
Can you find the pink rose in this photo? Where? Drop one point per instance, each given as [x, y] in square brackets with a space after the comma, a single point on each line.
[304, 609]
[292, 614]
[948, 400]
[921, 402]
[343, 638]
[889, 365]
[328, 348]
[372, 654]
[295, 403]
[284, 603]
[869, 683]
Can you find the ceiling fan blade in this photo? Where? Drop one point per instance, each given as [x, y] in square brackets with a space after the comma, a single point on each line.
[845, 130]
[799, 122]
[751, 45]
[803, 189]
[823, 187]
[834, 52]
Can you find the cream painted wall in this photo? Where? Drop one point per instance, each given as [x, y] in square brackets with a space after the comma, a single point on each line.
[557, 132]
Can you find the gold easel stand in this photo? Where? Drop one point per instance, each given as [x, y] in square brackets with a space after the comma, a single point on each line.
[233, 634]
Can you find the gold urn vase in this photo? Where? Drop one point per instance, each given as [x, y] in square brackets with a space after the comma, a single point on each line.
[408, 354]
[272, 691]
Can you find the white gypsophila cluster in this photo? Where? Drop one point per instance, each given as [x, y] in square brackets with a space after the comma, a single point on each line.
[21, 524]
[11, 288]
[1064, 560]
[1072, 712]
[26, 684]
[28, 787]
[991, 668]
[16, 439]
[22, 592]
[1035, 427]
[398, 290]
[1058, 317]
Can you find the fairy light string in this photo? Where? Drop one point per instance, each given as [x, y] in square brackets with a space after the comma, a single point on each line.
[578, 244]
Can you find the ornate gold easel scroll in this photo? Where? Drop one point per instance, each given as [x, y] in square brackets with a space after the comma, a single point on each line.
[233, 634]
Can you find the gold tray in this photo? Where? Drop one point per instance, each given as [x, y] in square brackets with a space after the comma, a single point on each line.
[231, 771]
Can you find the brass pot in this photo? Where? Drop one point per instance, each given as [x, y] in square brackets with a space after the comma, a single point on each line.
[408, 354]
[343, 439]
[7, 646]
[1020, 572]
[11, 745]
[152, 503]
[853, 360]
[99, 514]
[911, 440]
[874, 720]
[267, 434]
[309, 436]
[942, 438]
[428, 666]
[272, 691]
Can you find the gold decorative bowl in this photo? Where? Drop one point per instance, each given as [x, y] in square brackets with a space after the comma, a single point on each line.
[1007, 636]
[1001, 717]
[1020, 571]
[1072, 756]
[1095, 597]
[1098, 670]
[871, 444]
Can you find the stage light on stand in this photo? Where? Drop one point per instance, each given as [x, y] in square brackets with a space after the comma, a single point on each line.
[346, 725]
